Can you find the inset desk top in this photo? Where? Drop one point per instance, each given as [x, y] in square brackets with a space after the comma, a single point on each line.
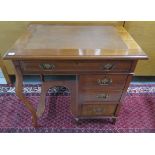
[75, 37]
[43, 41]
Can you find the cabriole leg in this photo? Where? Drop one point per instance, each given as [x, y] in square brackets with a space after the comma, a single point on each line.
[19, 93]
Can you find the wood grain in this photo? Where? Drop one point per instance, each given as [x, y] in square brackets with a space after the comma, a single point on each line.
[75, 42]
[117, 81]
[98, 110]
[76, 65]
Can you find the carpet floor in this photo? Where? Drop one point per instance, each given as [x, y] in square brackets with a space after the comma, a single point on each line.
[137, 113]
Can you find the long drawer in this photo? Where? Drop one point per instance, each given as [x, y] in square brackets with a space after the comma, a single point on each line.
[100, 96]
[98, 110]
[102, 81]
[72, 66]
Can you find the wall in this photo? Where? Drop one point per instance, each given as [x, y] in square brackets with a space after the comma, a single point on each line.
[9, 32]
[144, 33]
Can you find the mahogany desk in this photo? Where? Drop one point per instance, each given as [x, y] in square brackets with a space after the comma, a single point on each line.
[102, 58]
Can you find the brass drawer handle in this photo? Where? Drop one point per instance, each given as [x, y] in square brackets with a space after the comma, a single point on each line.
[104, 82]
[98, 110]
[108, 66]
[47, 66]
[102, 96]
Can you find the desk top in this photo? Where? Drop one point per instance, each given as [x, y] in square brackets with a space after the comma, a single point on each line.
[43, 41]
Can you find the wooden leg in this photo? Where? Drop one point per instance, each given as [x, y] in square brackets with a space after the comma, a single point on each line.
[19, 93]
[41, 105]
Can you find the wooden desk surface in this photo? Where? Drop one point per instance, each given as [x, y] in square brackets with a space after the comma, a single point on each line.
[75, 42]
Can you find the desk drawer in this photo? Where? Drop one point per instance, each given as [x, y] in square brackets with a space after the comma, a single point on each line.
[98, 110]
[81, 66]
[47, 66]
[100, 96]
[115, 81]
[105, 66]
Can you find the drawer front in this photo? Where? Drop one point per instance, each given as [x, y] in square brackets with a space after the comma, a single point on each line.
[98, 110]
[55, 66]
[47, 66]
[116, 81]
[106, 66]
[100, 96]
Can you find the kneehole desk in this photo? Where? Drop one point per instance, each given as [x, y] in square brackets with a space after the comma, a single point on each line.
[102, 59]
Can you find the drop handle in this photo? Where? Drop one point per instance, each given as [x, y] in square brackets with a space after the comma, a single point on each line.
[108, 66]
[98, 110]
[47, 66]
[102, 96]
[104, 82]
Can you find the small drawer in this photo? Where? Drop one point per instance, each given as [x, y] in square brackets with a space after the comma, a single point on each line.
[105, 65]
[98, 110]
[47, 66]
[109, 81]
[100, 96]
